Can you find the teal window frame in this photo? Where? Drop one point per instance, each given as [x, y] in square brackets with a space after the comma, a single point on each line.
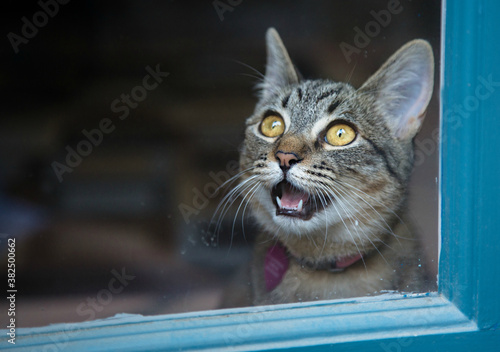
[463, 315]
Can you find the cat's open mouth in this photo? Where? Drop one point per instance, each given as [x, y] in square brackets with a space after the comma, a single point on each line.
[292, 201]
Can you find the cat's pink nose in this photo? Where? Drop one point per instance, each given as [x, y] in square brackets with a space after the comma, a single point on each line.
[286, 160]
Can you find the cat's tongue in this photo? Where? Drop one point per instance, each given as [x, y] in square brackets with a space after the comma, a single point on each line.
[291, 197]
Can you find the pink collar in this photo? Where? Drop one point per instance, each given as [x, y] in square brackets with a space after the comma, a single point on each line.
[276, 264]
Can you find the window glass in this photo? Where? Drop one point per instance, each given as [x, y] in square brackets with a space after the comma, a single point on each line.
[121, 120]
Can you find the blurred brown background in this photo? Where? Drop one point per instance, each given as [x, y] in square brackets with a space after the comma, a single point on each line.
[118, 210]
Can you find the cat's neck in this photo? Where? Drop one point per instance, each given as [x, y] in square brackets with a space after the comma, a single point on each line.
[342, 240]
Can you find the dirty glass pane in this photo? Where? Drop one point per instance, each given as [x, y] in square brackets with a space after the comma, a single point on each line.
[121, 120]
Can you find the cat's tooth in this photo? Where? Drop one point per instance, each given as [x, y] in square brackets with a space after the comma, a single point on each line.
[299, 208]
[278, 200]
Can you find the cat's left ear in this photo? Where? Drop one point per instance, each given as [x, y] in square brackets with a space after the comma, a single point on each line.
[280, 71]
[403, 87]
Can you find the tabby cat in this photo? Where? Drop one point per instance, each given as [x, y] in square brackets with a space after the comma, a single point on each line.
[326, 168]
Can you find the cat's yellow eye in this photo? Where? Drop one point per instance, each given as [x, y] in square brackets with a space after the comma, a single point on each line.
[272, 126]
[340, 134]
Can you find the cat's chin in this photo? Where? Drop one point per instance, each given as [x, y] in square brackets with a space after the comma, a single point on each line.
[293, 202]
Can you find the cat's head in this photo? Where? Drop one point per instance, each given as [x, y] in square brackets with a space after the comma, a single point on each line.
[319, 153]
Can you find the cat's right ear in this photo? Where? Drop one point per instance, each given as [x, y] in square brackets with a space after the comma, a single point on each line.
[280, 71]
[403, 86]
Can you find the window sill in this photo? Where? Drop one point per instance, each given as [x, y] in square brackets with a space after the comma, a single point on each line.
[391, 321]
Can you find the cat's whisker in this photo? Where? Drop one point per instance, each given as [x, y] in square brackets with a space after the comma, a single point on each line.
[371, 220]
[388, 228]
[329, 190]
[244, 209]
[326, 230]
[247, 192]
[260, 74]
[338, 196]
[310, 238]
[349, 75]
[231, 192]
[234, 178]
[351, 214]
[372, 198]
[259, 79]
[250, 192]
[324, 203]
[229, 199]
[274, 239]
[223, 204]
[315, 245]
[345, 225]
[239, 191]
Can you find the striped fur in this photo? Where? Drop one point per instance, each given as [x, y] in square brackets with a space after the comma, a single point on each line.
[359, 189]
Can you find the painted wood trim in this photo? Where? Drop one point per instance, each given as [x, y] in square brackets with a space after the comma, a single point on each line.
[259, 328]
[470, 169]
